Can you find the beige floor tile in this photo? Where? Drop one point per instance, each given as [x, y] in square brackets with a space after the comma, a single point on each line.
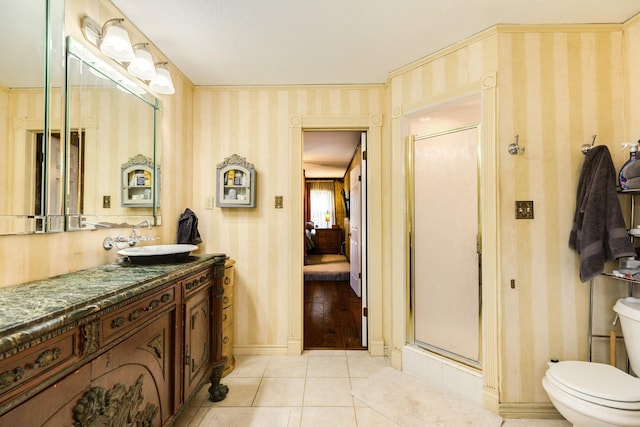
[327, 366]
[368, 417]
[286, 367]
[273, 391]
[186, 416]
[325, 417]
[328, 392]
[250, 417]
[325, 353]
[242, 392]
[364, 366]
[280, 392]
[295, 418]
[536, 423]
[355, 383]
[197, 417]
[248, 366]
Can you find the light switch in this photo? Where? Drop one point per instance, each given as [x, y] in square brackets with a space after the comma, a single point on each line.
[279, 202]
[209, 202]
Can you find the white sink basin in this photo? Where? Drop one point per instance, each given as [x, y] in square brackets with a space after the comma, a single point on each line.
[155, 254]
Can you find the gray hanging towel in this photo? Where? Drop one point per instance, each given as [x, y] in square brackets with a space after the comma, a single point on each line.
[188, 228]
[599, 233]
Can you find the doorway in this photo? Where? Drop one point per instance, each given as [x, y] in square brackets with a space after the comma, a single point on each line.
[333, 302]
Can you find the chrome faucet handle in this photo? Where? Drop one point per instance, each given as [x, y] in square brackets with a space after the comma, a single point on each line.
[107, 243]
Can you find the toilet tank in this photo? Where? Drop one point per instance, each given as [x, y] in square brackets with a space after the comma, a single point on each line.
[628, 310]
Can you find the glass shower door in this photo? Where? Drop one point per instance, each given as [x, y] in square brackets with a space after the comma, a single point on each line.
[445, 259]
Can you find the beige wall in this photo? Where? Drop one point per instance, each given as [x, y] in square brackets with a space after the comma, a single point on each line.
[254, 122]
[631, 64]
[558, 87]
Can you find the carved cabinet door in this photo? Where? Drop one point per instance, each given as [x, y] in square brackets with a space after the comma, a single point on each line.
[137, 377]
[197, 339]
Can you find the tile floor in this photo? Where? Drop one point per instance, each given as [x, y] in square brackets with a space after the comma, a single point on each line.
[311, 390]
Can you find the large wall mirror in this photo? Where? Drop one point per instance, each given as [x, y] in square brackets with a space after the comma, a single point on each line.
[113, 175]
[31, 119]
[64, 147]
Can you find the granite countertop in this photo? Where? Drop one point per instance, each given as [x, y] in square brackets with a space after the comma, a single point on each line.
[32, 309]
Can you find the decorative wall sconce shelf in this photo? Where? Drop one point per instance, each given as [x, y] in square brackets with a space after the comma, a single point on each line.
[139, 183]
[235, 183]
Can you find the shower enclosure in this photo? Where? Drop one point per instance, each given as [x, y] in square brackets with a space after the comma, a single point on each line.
[445, 286]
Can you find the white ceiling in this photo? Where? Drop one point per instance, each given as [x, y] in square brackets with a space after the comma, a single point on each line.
[327, 154]
[259, 42]
[288, 42]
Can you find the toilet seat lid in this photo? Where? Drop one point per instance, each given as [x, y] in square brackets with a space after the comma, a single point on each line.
[629, 307]
[598, 383]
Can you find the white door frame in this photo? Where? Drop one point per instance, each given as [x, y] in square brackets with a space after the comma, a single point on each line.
[371, 124]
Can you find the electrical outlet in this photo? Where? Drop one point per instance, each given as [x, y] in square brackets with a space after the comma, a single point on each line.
[524, 209]
[279, 202]
[106, 202]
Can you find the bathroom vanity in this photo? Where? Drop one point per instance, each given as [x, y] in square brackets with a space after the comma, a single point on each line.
[128, 343]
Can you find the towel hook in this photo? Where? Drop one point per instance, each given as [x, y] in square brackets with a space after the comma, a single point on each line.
[587, 147]
[514, 148]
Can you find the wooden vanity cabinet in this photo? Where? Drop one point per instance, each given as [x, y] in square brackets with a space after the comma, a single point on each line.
[136, 362]
[133, 377]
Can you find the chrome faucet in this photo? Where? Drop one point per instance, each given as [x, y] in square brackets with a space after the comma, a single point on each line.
[131, 240]
[135, 227]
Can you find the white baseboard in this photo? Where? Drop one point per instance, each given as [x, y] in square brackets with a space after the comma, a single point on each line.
[543, 411]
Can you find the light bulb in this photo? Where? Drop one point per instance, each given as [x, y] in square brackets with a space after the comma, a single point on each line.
[115, 41]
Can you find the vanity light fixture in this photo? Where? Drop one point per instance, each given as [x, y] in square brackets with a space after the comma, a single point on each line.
[142, 65]
[162, 83]
[113, 40]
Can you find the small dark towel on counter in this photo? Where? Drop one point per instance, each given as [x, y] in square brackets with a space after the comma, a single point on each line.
[188, 228]
[599, 233]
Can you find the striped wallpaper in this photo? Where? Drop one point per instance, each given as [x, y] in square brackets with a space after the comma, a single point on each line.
[254, 122]
[557, 87]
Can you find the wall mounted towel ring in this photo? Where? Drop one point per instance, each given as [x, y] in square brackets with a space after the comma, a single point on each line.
[587, 147]
[514, 148]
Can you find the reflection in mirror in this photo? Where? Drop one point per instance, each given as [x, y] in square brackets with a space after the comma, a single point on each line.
[30, 116]
[110, 120]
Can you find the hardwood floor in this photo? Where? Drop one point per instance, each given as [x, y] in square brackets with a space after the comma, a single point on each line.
[332, 316]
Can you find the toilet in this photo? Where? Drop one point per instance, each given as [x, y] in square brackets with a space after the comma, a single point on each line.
[595, 394]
